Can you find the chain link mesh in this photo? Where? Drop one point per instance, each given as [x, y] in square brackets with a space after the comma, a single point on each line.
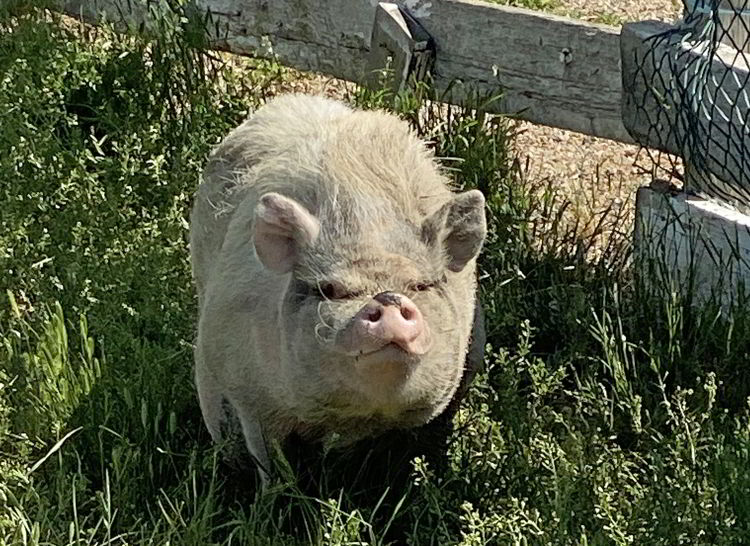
[695, 79]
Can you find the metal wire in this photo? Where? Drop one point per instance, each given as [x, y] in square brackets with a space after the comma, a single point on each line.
[703, 104]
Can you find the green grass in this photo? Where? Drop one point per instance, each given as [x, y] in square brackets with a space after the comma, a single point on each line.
[538, 5]
[557, 7]
[609, 18]
[606, 415]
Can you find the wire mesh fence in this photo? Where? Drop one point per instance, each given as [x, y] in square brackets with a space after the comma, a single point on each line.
[694, 82]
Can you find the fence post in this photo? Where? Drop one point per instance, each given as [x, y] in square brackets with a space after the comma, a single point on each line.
[735, 20]
[399, 45]
[731, 30]
[689, 87]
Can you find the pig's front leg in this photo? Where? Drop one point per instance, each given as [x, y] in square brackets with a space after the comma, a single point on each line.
[256, 444]
[222, 419]
[209, 397]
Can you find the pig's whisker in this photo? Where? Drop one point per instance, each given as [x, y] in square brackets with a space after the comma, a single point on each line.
[320, 315]
[320, 337]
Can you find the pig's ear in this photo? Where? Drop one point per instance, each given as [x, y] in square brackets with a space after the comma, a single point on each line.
[459, 226]
[282, 228]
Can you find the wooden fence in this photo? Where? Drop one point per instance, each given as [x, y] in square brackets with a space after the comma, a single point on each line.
[554, 71]
[590, 78]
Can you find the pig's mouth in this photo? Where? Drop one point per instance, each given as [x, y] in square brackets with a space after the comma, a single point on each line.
[364, 345]
[387, 353]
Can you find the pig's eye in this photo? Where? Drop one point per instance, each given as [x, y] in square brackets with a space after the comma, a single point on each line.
[422, 286]
[327, 290]
[334, 291]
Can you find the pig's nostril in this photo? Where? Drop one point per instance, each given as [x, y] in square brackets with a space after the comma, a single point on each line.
[407, 313]
[374, 315]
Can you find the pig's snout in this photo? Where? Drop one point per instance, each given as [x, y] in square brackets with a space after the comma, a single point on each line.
[392, 318]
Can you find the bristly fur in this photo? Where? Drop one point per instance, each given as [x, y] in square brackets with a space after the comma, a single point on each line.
[264, 340]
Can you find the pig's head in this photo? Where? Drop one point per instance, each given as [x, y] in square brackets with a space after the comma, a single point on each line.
[377, 312]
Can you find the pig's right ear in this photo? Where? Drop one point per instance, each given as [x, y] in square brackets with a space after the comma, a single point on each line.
[459, 226]
[282, 227]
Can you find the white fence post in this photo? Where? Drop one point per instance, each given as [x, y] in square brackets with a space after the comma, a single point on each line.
[731, 30]
[735, 19]
[689, 241]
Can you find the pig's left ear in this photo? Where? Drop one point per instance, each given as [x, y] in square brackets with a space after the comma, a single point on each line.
[282, 227]
[459, 226]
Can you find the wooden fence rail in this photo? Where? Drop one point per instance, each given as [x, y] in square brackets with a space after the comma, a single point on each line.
[553, 70]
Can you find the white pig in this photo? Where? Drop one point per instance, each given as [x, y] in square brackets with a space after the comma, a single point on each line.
[336, 277]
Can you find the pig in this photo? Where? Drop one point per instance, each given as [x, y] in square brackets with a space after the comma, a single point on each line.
[336, 278]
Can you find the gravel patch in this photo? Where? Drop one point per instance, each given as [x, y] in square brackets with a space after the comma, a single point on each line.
[619, 11]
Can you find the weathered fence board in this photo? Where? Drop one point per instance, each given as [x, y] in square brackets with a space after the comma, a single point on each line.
[554, 71]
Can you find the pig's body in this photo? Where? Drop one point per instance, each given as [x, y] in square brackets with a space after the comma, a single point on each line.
[319, 248]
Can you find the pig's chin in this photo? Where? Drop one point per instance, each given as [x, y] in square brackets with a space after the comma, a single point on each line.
[390, 363]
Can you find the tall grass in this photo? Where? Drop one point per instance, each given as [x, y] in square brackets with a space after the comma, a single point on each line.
[606, 414]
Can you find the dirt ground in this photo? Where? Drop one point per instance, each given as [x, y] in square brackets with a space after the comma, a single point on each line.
[622, 10]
